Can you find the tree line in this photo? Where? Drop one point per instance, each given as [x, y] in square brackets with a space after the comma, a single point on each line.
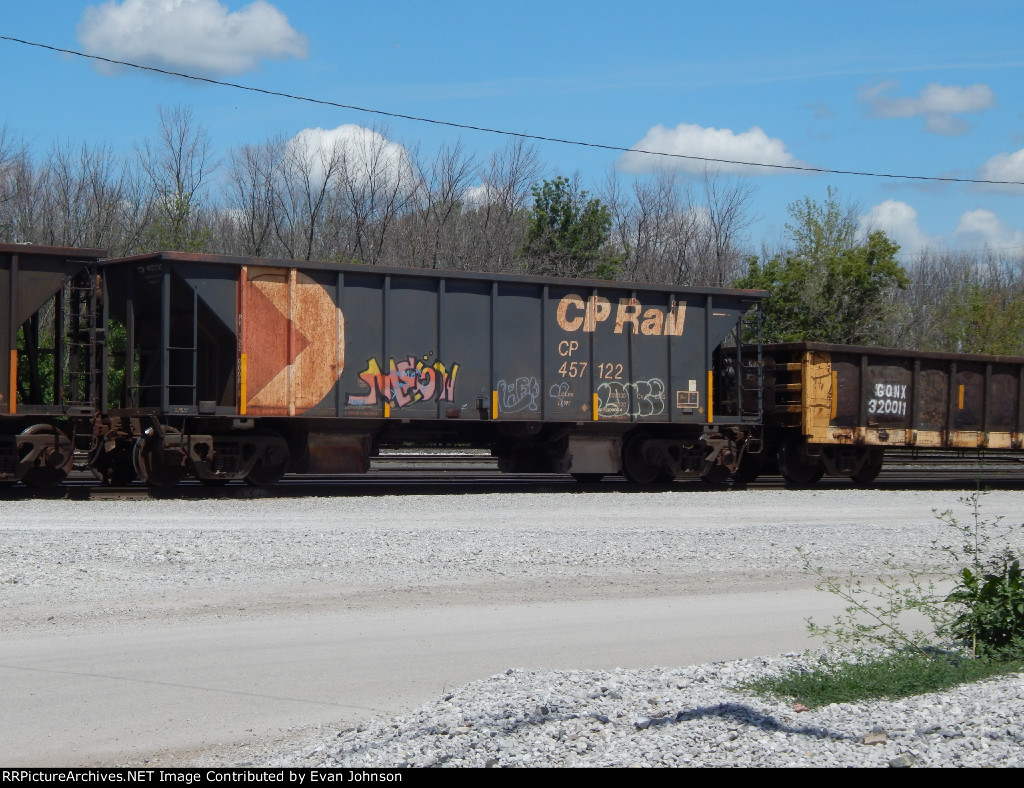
[351, 195]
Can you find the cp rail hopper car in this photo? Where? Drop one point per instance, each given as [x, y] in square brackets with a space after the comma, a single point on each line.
[51, 373]
[239, 368]
[834, 409]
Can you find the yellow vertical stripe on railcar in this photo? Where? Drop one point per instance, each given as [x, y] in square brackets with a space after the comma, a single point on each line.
[711, 406]
[960, 398]
[387, 410]
[595, 406]
[494, 404]
[243, 394]
[13, 393]
[835, 393]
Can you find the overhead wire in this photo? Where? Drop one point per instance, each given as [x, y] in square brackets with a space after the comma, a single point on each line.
[518, 134]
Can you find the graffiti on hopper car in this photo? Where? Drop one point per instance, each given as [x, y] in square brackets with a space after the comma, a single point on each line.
[406, 382]
[519, 394]
[640, 398]
[561, 394]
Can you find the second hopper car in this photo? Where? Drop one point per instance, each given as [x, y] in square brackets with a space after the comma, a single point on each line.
[51, 375]
[242, 368]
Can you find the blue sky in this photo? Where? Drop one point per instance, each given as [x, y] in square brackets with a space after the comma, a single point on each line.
[918, 88]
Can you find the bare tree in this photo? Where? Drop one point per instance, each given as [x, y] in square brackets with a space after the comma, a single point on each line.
[85, 191]
[961, 302]
[303, 191]
[11, 153]
[24, 207]
[450, 174]
[251, 197]
[178, 165]
[499, 219]
[727, 202]
[659, 230]
[376, 185]
[672, 237]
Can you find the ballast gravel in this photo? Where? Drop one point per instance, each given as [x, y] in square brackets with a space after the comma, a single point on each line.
[70, 566]
[692, 716]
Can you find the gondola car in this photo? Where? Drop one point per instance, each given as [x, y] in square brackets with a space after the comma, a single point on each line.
[835, 409]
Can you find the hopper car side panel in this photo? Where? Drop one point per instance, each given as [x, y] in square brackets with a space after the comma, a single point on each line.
[551, 374]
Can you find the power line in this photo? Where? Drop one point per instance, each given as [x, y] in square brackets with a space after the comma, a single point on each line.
[518, 134]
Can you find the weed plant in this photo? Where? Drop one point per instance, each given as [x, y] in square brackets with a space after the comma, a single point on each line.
[976, 629]
[883, 675]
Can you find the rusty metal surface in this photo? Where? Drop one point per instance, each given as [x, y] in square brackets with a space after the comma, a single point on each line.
[885, 352]
[293, 337]
[338, 453]
[884, 397]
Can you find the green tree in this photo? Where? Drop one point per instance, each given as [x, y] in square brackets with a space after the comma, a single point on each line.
[568, 232]
[827, 287]
[986, 319]
[822, 230]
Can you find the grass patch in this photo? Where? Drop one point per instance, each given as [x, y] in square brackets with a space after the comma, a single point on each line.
[897, 675]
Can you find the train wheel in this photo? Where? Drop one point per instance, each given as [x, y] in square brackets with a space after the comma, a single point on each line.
[870, 469]
[636, 467]
[717, 476]
[796, 469]
[152, 464]
[748, 470]
[54, 462]
[269, 469]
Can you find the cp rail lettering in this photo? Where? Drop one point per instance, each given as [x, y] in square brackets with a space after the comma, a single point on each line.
[576, 313]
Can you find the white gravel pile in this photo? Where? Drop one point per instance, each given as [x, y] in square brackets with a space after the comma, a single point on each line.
[694, 716]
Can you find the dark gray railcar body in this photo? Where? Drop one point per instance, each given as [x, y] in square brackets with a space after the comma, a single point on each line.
[50, 381]
[246, 367]
[835, 409]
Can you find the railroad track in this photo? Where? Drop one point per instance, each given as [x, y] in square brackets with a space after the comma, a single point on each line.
[410, 473]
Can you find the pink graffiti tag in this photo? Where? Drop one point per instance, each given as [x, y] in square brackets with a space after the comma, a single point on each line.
[407, 381]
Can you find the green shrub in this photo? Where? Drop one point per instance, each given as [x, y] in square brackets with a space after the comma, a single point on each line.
[976, 630]
[987, 601]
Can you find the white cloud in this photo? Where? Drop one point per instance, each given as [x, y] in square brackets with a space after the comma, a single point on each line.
[899, 221]
[938, 104]
[946, 125]
[197, 36]
[981, 227]
[366, 157]
[481, 196]
[1004, 167]
[689, 139]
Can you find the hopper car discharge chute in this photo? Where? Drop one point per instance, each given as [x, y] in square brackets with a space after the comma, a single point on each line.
[51, 375]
